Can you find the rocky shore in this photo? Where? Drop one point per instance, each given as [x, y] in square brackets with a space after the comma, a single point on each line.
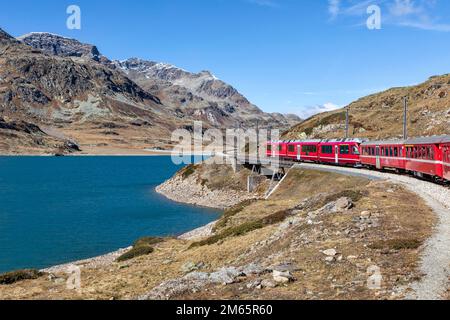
[195, 189]
[309, 240]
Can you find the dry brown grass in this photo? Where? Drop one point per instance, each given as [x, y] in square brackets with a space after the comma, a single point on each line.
[317, 279]
[302, 246]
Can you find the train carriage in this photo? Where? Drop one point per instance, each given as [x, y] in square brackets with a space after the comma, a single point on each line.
[389, 154]
[424, 156]
[446, 161]
[340, 152]
[308, 151]
[294, 150]
[276, 149]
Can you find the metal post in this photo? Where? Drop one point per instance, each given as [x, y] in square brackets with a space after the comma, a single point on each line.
[257, 140]
[405, 118]
[236, 142]
[346, 123]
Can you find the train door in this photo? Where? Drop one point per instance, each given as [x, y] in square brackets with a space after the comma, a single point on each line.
[336, 154]
[377, 152]
[299, 153]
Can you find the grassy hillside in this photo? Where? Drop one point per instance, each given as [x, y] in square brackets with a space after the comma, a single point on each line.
[323, 249]
[380, 115]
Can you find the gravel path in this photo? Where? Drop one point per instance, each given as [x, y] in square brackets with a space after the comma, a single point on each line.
[435, 264]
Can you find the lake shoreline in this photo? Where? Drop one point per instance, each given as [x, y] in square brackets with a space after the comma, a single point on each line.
[109, 258]
[141, 153]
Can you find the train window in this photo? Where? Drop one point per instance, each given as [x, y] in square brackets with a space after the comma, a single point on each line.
[344, 149]
[415, 153]
[396, 152]
[431, 153]
[291, 148]
[356, 150]
[373, 151]
[327, 149]
[280, 147]
[309, 149]
[269, 148]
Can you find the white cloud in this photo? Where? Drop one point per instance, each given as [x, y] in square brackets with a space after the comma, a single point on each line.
[403, 8]
[334, 7]
[308, 112]
[264, 3]
[418, 14]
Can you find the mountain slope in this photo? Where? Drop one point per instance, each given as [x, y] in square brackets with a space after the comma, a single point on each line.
[381, 115]
[188, 95]
[80, 97]
[200, 95]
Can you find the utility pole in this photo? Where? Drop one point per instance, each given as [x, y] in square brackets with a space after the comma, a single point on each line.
[257, 139]
[405, 118]
[347, 123]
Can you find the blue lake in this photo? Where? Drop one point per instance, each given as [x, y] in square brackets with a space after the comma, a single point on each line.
[56, 210]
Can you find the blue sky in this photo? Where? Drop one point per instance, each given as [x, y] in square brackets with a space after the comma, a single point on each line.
[291, 56]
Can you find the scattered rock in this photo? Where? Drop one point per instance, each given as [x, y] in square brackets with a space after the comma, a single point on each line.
[225, 275]
[191, 266]
[200, 276]
[268, 284]
[343, 204]
[330, 252]
[340, 205]
[365, 215]
[252, 269]
[253, 284]
[282, 276]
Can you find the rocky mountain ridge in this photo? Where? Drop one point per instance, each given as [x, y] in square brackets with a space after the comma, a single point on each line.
[188, 95]
[79, 95]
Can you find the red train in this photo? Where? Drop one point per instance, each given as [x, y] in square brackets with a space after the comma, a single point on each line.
[423, 157]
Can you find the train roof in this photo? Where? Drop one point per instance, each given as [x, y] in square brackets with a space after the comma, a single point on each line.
[419, 140]
[357, 140]
[383, 142]
[429, 140]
